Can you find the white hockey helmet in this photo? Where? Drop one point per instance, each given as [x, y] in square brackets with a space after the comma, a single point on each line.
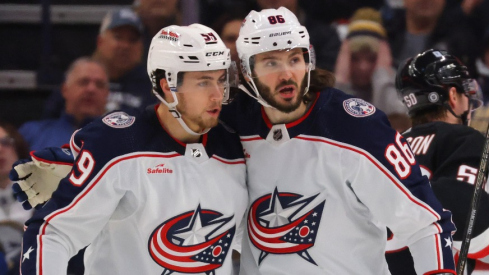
[177, 49]
[271, 30]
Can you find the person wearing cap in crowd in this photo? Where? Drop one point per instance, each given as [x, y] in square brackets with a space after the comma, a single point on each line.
[364, 67]
[119, 48]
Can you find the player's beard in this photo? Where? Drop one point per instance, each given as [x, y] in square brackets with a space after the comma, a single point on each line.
[192, 119]
[291, 104]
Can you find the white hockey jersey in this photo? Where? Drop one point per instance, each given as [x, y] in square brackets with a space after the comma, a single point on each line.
[323, 189]
[143, 202]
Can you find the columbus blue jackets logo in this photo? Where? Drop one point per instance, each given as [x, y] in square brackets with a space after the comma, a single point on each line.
[284, 223]
[358, 108]
[118, 120]
[196, 241]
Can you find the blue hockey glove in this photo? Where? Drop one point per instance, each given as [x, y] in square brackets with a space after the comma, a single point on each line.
[35, 179]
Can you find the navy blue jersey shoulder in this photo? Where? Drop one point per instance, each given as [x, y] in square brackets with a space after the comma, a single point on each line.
[328, 119]
[335, 122]
[141, 132]
[242, 113]
[224, 142]
[147, 135]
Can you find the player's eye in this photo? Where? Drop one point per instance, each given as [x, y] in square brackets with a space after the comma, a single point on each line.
[204, 83]
[271, 63]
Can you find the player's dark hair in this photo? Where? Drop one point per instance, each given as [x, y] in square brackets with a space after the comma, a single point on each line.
[320, 79]
[434, 113]
[158, 75]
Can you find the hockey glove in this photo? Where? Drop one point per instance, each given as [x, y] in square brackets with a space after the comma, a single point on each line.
[35, 179]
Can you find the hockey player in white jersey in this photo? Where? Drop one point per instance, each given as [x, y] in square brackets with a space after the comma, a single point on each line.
[326, 172]
[149, 192]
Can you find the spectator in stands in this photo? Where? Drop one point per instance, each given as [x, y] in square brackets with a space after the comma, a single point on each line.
[364, 67]
[156, 14]
[120, 49]
[12, 215]
[228, 26]
[474, 12]
[85, 91]
[422, 25]
[221, 8]
[323, 36]
[12, 148]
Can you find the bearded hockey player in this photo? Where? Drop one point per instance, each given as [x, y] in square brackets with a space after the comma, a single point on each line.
[440, 95]
[149, 192]
[326, 172]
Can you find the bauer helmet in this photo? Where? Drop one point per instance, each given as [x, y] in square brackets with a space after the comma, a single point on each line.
[177, 49]
[271, 30]
[423, 82]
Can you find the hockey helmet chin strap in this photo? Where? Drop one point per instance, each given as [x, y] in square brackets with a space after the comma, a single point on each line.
[172, 107]
[464, 116]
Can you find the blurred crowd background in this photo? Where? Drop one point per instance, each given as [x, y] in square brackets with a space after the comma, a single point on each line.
[41, 38]
[65, 62]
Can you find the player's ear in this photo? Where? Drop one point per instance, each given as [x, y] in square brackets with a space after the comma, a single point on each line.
[165, 88]
[246, 78]
[452, 97]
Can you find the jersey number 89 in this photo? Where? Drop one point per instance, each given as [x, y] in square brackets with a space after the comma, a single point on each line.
[85, 165]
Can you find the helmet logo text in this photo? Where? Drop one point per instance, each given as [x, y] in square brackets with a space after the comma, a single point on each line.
[276, 19]
[209, 38]
[279, 34]
[169, 35]
[214, 53]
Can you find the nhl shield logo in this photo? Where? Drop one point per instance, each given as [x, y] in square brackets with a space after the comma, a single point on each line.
[118, 120]
[277, 134]
[196, 153]
[358, 108]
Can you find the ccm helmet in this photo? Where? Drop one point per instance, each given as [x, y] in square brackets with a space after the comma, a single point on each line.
[424, 81]
[177, 49]
[270, 30]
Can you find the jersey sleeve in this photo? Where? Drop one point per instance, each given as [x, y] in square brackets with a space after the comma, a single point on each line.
[78, 209]
[385, 177]
[457, 163]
